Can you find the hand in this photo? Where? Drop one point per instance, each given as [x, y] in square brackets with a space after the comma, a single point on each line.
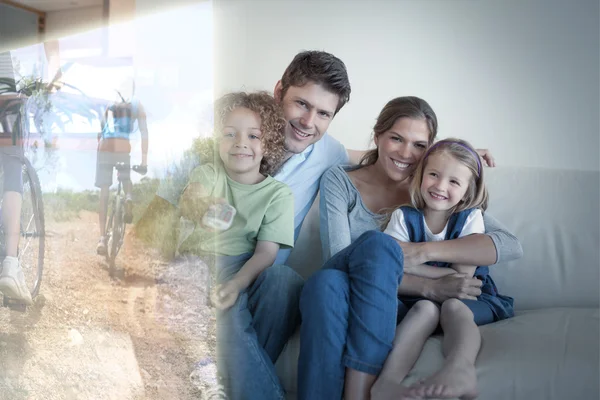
[455, 286]
[414, 254]
[486, 157]
[225, 295]
[141, 169]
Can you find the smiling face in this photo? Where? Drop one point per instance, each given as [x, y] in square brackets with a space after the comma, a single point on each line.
[308, 110]
[445, 181]
[401, 147]
[240, 146]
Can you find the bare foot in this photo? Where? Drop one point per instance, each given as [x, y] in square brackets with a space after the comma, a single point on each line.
[453, 380]
[386, 389]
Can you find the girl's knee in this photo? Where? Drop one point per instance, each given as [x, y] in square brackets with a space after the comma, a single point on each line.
[455, 307]
[427, 309]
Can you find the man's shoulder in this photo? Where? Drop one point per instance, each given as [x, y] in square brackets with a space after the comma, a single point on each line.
[329, 144]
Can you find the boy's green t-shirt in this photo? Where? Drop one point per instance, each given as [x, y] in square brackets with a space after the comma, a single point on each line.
[264, 211]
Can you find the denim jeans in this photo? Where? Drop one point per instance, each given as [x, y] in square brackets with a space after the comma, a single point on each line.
[349, 314]
[253, 332]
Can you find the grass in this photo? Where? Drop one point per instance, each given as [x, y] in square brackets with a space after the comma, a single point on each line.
[65, 205]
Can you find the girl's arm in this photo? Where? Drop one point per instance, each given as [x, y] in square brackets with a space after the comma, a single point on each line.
[468, 270]
[333, 210]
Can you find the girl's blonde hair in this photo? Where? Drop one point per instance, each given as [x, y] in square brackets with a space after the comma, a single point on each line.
[272, 124]
[476, 195]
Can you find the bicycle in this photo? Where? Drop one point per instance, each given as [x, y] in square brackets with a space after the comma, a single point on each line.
[32, 231]
[115, 225]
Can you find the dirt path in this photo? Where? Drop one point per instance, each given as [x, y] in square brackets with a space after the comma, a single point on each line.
[149, 335]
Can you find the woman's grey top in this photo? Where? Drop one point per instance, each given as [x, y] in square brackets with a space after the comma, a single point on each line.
[344, 217]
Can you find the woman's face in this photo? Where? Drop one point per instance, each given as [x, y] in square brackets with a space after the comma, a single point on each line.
[401, 147]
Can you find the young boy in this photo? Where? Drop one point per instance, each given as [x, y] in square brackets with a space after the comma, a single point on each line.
[248, 130]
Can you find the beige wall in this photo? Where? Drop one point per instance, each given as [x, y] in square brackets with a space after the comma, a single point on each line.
[519, 77]
[66, 22]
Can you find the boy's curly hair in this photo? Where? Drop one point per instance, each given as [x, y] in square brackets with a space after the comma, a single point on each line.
[272, 124]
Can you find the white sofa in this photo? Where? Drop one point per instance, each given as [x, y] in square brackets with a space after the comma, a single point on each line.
[550, 349]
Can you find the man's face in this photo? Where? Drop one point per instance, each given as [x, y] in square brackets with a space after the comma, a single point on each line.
[308, 110]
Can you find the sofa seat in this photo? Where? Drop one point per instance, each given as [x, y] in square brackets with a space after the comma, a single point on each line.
[538, 354]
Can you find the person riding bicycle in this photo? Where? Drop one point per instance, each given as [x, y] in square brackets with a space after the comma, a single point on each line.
[12, 279]
[118, 123]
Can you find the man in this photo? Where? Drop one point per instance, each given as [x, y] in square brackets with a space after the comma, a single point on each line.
[114, 146]
[252, 334]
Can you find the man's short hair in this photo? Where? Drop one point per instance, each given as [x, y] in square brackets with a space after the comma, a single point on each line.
[319, 67]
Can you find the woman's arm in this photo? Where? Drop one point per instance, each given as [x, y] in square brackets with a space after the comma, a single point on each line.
[428, 271]
[453, 286]
[496, 245]
[333, 210]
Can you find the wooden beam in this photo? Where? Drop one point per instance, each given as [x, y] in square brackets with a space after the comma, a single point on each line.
[23, 7]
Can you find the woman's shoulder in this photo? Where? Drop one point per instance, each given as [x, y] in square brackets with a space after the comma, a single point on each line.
[337, 175]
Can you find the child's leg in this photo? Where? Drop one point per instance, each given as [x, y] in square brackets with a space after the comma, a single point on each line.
[411, 334]
[252, 333]
[462, 341]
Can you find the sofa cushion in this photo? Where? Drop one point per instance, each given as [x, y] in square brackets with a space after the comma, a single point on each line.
[545, 354]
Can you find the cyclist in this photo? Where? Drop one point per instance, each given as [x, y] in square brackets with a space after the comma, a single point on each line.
[118, 123]
[12, 280]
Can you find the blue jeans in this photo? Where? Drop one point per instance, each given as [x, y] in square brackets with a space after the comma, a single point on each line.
[349, 313]
[253, 332]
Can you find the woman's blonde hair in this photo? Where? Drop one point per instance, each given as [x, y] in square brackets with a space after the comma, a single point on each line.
[272, 124]
[476, 195]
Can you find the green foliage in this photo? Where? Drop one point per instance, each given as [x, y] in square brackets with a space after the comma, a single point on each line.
[205, 148]
[65, 205]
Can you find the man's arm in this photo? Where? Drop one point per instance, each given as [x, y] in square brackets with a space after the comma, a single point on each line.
[355, 156]
[141, 117]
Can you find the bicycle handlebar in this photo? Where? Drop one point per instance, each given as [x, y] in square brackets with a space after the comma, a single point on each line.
[140, 169]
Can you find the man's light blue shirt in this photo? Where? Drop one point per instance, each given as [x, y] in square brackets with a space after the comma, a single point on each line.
[302, 173]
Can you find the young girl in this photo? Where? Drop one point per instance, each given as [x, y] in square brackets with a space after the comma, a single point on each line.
[250, 141]
[448, 197]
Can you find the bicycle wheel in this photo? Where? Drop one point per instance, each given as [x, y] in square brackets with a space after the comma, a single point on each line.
[33, 238]
[117, 231]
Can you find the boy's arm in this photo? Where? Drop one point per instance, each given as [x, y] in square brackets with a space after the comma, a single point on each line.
[193, 203]
[263, 257]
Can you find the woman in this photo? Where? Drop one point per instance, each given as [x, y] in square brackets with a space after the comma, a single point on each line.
[355, 200]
